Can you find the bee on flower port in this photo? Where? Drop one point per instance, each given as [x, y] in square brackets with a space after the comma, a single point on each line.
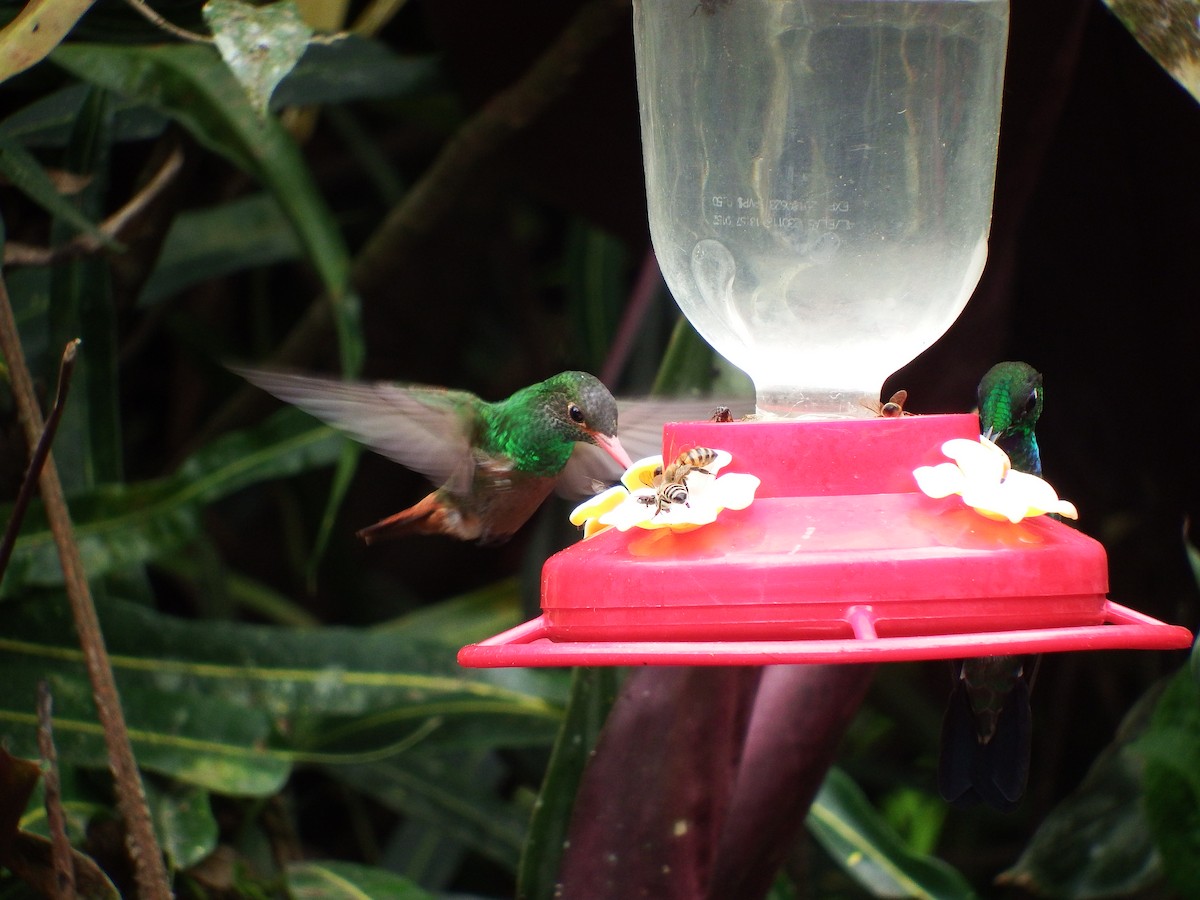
[693, 460]
[670, 483]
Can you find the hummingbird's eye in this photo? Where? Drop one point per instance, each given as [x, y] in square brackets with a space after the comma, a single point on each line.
[575, 413]
[1031, 403]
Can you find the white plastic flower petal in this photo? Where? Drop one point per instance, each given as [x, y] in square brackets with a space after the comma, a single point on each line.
[982, 475]
[595, 507]
[941, 480]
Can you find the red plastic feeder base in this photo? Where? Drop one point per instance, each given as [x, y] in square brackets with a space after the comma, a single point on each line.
[839, 559]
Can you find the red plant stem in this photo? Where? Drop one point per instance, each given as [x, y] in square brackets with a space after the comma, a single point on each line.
[800, 714]
[641, 300]
[653, 798]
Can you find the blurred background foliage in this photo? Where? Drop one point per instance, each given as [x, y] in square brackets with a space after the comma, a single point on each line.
[454, 195]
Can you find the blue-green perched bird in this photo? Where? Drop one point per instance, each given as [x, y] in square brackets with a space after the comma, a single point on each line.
[987, 730]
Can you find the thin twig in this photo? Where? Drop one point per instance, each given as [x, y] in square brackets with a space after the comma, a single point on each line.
[149, 870]
[85, 243]
[170, 27]
[38, 458]
[60, 845]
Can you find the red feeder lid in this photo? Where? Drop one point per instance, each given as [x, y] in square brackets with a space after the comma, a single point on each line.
[839, 559]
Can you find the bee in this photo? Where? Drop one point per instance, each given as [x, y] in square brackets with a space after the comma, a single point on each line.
[894, 408]
[693, 460]
[722, 414]
[670, 483]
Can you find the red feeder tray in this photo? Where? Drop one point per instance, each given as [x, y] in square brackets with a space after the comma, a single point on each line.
[839, 559]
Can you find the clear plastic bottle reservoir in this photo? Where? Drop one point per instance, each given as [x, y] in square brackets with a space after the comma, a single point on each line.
[819, 177]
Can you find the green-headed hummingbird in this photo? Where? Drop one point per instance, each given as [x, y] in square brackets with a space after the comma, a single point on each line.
[987, 729]
[493, 463]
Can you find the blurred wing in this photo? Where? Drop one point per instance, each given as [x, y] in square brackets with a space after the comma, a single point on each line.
[639, 427]
[589, 471]
[425, 429]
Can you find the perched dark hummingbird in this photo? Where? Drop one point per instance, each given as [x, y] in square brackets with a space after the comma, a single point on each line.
[493, 463]
[987, 729]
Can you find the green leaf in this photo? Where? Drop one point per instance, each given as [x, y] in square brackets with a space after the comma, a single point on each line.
[850, 829]
[451, 793]
[192, 85]
[593, 691]
[183, 818]
[597, 283]
[1171, 748]
[121, 525]
[917, 816]
[347, 881]
[353, 68]
[49, 120]
[26, 174]
[690, 364]
[231, 707]
[260, 44]
[460, 620]
[1096, 842]
[203, 244]
[88, 447]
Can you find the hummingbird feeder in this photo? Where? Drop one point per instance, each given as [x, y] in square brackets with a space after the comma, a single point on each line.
[819, 177]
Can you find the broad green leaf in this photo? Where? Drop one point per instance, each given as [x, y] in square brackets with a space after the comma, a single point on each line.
[1168, 31]
[1096, 842]
[917, 816]
[35, 31]
[121, 525]
[48, 120]
[88, 447]
[231, 707]
[1171, 748]
[204, 244]
[260, 44]
[82, 801]
[450, 793]
[329, 880]
[352, 69]
[26, 174]
[183, 818]
[459, 620]
[192, 85]
[592, 693]
[202, 566]
[850, 829]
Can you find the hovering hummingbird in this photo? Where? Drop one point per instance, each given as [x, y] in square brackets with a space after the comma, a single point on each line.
[987, 729]
[493, 463]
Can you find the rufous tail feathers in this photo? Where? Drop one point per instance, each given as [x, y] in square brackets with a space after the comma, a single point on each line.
[428, 516]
